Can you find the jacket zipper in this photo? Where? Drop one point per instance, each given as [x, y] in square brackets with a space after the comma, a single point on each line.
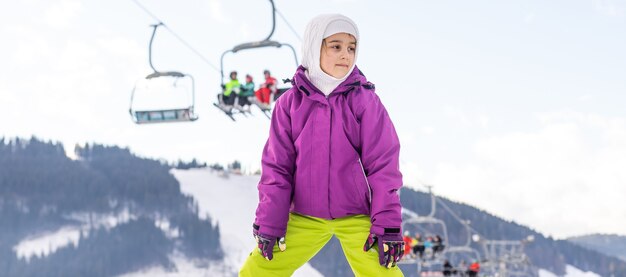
[366, 181]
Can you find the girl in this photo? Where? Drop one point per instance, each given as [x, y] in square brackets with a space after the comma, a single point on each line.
[330, 165]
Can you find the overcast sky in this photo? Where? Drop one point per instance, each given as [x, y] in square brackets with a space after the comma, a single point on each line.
[515, 107]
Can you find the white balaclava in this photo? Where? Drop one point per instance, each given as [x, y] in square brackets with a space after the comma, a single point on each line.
[316, 31]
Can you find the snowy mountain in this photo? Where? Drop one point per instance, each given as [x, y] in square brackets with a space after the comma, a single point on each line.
[613, 245]
[110, 213]
[105, 213]
[232, 202]
[570, 272]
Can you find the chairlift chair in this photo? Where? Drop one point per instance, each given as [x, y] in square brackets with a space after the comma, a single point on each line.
[419, 223]
[412, 222]
[174, 114]
[266, 109]
[455, 254]
[142, 116]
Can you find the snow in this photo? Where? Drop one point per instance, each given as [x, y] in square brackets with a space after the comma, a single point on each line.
[545, 273]
[232, 203]
[184, 268]
[575, 272]
[48, 242]
[570, 270]
[165, 226]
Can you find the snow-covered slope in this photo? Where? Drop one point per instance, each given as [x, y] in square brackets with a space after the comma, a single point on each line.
[232, 203]
[571, 272]
[609, 244]
[49, 242]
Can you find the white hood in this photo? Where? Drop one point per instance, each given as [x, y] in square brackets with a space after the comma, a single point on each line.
[316, 31]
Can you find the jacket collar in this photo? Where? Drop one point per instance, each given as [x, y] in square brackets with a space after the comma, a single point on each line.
[304, 85]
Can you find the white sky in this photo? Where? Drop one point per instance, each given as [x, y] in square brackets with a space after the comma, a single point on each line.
[516, 107]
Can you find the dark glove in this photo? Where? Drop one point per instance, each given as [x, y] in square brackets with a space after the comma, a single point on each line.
[266, 243]
[390, 248]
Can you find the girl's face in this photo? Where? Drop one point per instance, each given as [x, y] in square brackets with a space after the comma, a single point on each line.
[337, 54]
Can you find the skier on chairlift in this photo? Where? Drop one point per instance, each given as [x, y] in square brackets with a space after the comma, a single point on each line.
[247, 91]
[268, 88]
[418, 246]
[407, 245]
[228, 98]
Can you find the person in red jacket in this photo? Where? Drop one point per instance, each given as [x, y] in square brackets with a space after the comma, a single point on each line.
[473, 270]
[407, 243]
[265, 91]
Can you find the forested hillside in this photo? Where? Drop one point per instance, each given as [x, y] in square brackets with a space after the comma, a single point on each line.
[41, 191]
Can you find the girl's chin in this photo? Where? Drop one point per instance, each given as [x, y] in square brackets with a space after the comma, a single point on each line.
[340, 73]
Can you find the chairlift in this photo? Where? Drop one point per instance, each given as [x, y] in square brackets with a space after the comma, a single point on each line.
[507, 257]
[425, 225]
[230, 110]
[173, 82]
[456, 254]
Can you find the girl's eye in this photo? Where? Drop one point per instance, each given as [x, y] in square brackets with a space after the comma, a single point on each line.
[351, 49]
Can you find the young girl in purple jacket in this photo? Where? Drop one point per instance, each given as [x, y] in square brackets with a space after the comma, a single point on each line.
[330, 165]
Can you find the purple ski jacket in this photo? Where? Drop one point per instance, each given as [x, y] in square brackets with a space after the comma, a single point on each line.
[330, 157]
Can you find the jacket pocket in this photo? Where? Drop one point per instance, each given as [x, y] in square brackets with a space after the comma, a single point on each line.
[361, 182]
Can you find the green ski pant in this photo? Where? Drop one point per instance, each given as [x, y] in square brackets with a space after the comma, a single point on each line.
[307, 235]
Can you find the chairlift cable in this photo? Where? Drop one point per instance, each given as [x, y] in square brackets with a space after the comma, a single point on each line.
[146, 11]
[176, 35]
[456, 216]
[192, 49]
[289, 25]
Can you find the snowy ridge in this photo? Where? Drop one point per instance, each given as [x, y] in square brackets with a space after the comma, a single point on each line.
[570, 272]
[229, 201]
[232, 203]
[183, 268]
[47, 243]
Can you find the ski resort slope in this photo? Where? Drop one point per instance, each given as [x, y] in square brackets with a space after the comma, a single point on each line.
[570, 272]
[231, 202]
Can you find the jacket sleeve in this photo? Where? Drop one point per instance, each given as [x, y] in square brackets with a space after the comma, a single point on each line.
[380, 154]
[276, 184]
